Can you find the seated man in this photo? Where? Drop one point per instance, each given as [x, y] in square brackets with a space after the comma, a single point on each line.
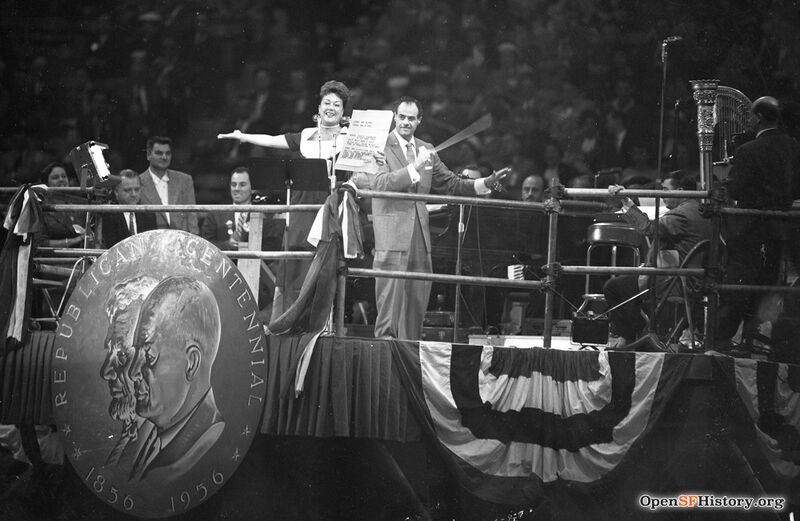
[230, 231]
[679, 229]
[115, 227]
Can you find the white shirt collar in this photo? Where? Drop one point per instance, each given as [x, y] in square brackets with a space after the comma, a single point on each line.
[764, 130]
[157, 179]
[403, 142]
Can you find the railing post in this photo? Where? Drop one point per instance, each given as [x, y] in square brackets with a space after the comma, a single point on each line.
[460, 239]
[553, 208]
[712, 210]
[341, 283]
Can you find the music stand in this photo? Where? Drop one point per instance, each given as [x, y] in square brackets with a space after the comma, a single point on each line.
[273, 175]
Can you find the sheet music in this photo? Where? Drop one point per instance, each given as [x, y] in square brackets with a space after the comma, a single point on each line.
[367, 134]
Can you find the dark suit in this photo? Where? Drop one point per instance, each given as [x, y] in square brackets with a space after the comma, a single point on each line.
[116, 229]
[679, 229]
[215, 230]
[180, 191]
[764, 174]
[402, 238]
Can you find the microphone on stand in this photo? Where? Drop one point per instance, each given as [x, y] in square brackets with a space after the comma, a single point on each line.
[665, 42]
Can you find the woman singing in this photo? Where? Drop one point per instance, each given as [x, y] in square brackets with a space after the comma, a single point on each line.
[324, 141]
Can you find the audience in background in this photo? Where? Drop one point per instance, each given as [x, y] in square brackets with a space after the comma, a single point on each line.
[175, 69]
[582, 76]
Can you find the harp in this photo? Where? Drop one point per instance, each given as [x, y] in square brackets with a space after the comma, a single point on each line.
[722, 117]
[731, 113]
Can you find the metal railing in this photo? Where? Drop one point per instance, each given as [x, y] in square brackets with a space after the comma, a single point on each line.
[555, 205]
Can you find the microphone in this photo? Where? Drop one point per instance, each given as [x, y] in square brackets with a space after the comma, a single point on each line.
[670, 39]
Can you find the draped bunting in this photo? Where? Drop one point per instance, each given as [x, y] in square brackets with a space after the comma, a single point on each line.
[514, 420]
[26, 382]
[23, 222]
[309, 314]
[580, 434]
[352, 390]
[771, 395]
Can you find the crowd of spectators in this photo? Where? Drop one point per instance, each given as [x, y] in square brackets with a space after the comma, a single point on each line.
[574, 78]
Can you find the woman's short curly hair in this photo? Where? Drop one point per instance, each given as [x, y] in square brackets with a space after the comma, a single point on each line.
[45, 175]
[335, 87]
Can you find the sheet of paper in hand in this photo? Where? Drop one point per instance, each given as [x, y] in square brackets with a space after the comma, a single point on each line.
[367, 134]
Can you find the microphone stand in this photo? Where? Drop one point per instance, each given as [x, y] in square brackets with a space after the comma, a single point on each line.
[461, 231]
[652, 285]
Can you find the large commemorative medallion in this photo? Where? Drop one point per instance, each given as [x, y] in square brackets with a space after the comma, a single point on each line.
[158, 375]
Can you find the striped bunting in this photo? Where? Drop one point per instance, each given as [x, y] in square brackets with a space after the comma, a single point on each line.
[771, 394]
[539, 415]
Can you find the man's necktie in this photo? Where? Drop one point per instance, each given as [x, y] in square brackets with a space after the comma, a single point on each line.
[241, 229]
[132, 223]
[410, 155]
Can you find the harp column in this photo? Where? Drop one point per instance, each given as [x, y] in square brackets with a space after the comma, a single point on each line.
[705, 95]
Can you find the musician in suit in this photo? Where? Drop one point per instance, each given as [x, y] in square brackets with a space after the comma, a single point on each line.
[229, 230]
[115, 227]
[402, 237]
[161, 185]
[765, 175]
[680, 229]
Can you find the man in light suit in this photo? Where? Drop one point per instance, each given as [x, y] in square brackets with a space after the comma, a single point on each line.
[160, 185]
[402, 236]
[118, 226]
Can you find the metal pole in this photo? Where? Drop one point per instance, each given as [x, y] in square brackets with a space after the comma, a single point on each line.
[115, 208]
[661, 120]
[704, 93]
[651, 325]
[553, 207]
[457, 307]
[630, 270]
[341, 283]
[585, 193]
[451, 279]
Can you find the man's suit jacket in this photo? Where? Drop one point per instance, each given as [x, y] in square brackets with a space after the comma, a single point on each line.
[215, 230]
[194, 439]
[765, 172]
[116, 229]
[180, 191]
[393, 220]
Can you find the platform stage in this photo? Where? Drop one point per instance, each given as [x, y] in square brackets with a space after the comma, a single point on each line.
[479, 432]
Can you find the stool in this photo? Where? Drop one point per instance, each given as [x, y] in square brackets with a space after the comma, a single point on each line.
[614, 236]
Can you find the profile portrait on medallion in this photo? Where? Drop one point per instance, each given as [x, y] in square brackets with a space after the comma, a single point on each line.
[122, 309]
[176, 342]
[159, 373]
